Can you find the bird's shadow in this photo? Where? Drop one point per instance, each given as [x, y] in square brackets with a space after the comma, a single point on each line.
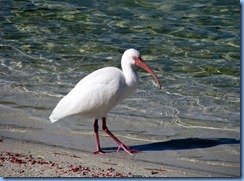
[182, 144]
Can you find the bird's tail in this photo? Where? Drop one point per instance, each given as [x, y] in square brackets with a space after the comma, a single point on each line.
[52, 118]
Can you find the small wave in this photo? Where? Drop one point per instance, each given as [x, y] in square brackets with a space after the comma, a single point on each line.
[179, 123]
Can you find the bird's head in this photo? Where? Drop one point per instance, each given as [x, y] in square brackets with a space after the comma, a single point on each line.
[132, 57]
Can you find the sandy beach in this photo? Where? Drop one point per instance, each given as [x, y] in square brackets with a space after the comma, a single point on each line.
[33, 147]
[25, 159]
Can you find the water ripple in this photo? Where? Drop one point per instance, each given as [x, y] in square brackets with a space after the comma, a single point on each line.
[194, 48]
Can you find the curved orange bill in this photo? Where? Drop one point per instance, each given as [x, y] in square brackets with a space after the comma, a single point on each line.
[139, 62]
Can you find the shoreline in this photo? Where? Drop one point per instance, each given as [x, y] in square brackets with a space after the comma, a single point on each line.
[216, 154]
[28, 159]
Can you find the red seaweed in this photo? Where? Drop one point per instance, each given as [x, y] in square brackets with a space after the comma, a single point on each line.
[62, 168]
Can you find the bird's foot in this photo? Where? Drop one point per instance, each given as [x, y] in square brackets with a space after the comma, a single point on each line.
[99, 152]
[127, 149]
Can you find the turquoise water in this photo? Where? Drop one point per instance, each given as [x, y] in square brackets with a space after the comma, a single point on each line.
[46, 47]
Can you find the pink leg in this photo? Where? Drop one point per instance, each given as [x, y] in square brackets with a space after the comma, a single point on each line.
[98, 148]
[121, 145]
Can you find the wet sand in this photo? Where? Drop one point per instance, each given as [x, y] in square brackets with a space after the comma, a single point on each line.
[25, 159]
[32, 147]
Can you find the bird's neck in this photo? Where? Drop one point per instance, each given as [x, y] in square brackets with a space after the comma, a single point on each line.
[131, 77]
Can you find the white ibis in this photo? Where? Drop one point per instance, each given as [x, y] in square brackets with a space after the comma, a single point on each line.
[96, 94]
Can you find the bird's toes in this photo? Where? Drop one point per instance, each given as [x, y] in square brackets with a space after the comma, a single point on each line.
[135, 151]
[131, 150]
[99, 152]
[127, 149]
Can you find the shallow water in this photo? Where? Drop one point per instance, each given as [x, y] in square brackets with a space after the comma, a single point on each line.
[193, 47]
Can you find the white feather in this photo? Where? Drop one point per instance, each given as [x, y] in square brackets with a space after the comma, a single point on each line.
[94, 95]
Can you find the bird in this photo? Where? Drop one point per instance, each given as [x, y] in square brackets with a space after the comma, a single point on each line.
[100, 91]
